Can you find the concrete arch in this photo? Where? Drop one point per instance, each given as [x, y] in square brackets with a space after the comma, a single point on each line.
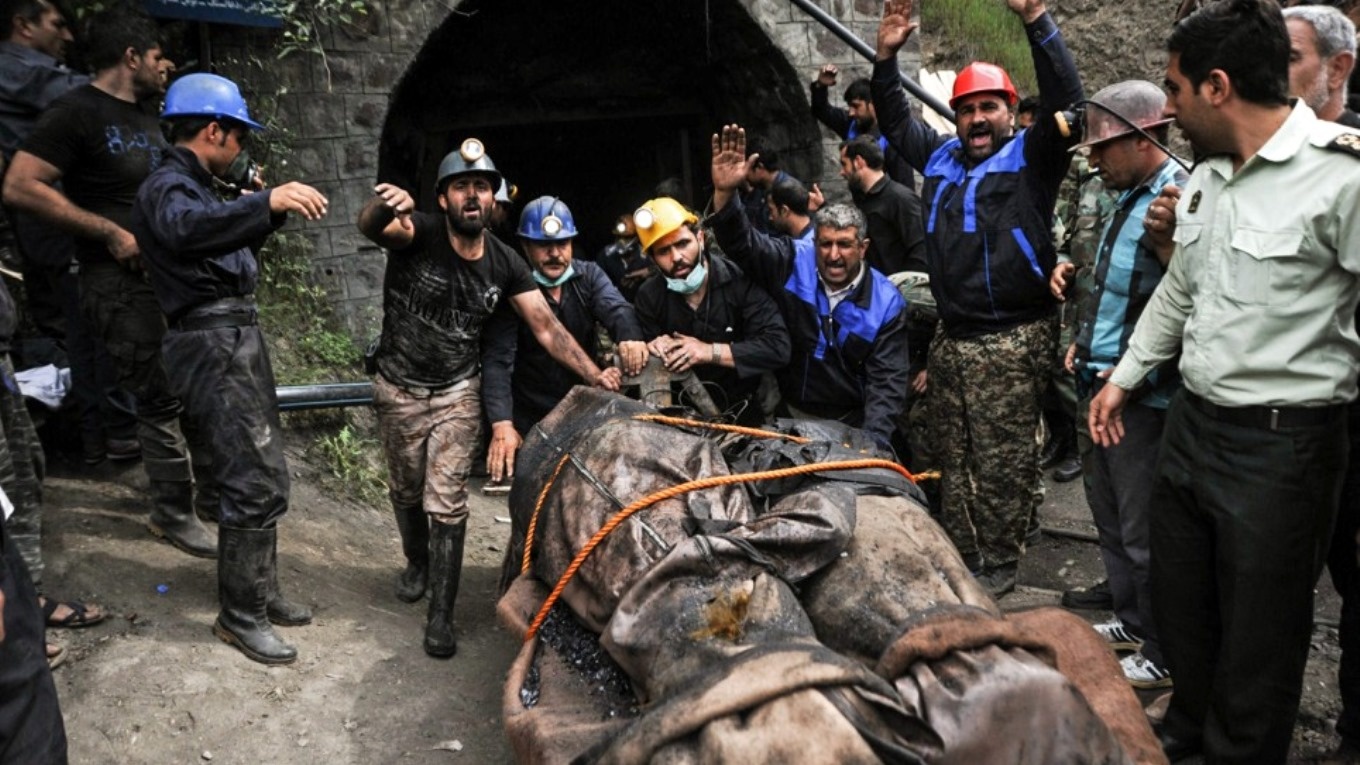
[595, 102]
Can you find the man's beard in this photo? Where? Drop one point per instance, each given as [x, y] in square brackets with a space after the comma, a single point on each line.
[464, 227]
[1317, 95]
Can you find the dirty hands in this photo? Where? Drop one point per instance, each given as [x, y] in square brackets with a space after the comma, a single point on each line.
[827, 76]
[920, 381]
[894, 29]
[500, 456]
[1061, 279]
[1027, 10]
[398, 201]
[298, 198]
[1160, 222]
[609, 379]
[632, 357]
[680, 353]
[730, 163]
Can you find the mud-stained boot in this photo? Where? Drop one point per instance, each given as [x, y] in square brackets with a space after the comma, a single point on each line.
[446, 567]
[243, 576]
[280, 610]
[415, 544]
[173, 519]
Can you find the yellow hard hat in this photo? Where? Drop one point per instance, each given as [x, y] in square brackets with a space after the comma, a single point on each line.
[660, 217]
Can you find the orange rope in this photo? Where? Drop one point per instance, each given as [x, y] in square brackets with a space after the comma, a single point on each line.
[683, 422]
[688, 486]
[533, 519]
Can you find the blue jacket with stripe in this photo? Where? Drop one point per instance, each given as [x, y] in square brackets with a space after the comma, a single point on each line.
[989, 246]
[849, 364]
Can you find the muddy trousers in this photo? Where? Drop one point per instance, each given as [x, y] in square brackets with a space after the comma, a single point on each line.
[1240, 522]
[122, 312]
[984, 407]
[21, 465]
[31, 728]
[225, 379]
[429, 438]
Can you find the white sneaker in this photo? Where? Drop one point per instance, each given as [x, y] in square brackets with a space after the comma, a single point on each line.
[1119, 638]
[1142, 673]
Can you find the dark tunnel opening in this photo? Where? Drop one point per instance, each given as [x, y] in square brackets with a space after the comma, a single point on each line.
[595, 102]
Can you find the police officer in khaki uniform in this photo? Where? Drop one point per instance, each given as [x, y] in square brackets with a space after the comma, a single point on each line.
[1259, 299]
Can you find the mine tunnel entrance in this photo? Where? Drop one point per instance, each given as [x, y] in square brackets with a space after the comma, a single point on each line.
[594, 102]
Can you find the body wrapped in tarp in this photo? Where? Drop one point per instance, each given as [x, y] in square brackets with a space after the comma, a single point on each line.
[808, 619]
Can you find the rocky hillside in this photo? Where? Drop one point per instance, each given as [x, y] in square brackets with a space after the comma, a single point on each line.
[1111, 40]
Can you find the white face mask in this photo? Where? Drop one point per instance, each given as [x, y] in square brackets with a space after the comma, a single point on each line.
[691, 283]
[544, 281]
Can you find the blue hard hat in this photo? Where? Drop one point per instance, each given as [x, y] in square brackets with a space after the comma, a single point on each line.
[546, 219]
[207, 95]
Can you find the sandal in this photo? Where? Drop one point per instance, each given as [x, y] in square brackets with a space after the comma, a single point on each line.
[80, 615]
[56, 656]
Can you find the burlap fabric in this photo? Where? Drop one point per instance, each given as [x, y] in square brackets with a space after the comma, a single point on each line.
[804, 627]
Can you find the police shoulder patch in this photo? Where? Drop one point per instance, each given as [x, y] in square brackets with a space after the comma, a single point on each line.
[1348, 143]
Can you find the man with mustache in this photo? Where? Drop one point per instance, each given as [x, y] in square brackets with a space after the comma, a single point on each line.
[1259, 300]
[524, 382]
[700, 313]
[989, 194]
[445, 277]
[847, 322]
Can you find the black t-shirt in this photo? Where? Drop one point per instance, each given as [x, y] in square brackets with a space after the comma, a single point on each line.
[435, 303]
[105, 147]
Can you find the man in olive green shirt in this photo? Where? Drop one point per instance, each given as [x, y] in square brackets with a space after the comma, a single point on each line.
[1260, 301]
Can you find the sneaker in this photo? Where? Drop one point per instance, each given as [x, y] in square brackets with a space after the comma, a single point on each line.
[1143, 673]
[1097, 597]
[1117, 635]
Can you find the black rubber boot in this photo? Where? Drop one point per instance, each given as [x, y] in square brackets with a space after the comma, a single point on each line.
[207, 498]
[280, 610]
[244, 572]
[415, 543]
[173, 519]
[446, 568]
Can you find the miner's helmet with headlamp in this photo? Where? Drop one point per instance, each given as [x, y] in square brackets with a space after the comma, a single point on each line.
[1132, 106]
[658, 218]
[468, 159]
[547, 219]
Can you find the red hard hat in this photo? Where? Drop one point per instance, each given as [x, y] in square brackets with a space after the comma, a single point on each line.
[981, 77]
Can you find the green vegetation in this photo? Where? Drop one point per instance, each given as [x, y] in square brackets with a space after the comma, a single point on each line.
[353, 459]
[988, 31]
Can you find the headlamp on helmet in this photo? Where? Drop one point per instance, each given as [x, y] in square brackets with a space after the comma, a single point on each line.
[658, 218]
[547, 219]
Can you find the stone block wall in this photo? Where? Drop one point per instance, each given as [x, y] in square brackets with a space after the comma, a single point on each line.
[335, 108]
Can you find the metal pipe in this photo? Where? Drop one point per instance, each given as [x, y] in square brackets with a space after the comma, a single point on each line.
[293, 398]
[863, 49]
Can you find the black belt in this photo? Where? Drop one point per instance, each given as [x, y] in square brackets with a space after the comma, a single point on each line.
[218, 314]
[1268, 417]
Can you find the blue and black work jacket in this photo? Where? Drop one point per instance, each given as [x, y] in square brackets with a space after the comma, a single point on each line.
[989, 246]
[198, 247]
[521, 382]
[848, 364]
